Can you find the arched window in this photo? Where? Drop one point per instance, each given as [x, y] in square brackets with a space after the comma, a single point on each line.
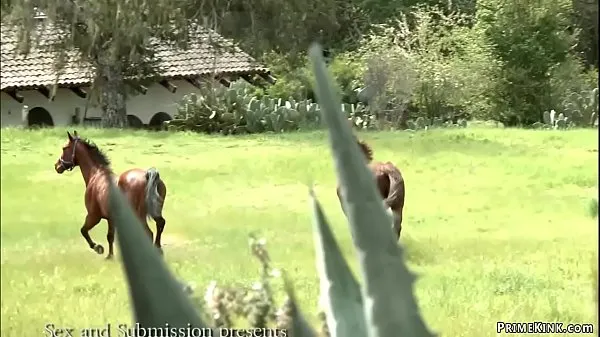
[39, 117]
[134, 122]
[156, 122]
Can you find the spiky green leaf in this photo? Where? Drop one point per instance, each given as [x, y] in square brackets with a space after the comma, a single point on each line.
[300, 327]
[340, 292]
[156, 296]
[390, 305]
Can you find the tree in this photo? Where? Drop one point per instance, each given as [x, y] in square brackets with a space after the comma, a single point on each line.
[529, 39]
[586, 19]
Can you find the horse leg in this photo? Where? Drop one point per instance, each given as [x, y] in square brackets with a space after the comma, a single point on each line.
[160, 221]
[150, 234]
[160, 227]
[110, 237]
[144, 220]
[91, 222]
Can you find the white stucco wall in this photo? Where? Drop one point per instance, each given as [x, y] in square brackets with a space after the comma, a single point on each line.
[156, 99]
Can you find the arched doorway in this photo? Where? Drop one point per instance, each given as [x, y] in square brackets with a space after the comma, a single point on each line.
[39, 117]
[134, 122]
[156, 122]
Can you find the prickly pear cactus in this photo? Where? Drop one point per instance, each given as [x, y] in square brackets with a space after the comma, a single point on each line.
[236, 110]
[594, 106]
[546, 117]
[561, 122]
[538, 125]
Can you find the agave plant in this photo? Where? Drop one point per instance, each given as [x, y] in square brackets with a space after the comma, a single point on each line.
[383, 305]
[385, 301]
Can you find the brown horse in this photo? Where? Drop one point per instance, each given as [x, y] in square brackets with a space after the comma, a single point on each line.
[390, 185]
[143, 188]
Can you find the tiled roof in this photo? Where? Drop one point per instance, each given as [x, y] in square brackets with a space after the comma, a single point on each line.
[38, 67]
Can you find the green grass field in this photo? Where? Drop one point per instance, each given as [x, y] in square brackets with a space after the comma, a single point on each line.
[496, 221]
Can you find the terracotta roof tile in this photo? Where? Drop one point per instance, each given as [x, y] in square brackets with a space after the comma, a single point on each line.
[37, 68]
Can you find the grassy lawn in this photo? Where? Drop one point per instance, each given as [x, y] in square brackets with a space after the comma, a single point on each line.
[496, 221]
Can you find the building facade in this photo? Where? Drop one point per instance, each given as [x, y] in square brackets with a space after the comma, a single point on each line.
[34, 93]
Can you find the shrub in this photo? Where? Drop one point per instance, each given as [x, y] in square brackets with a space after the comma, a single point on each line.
[389, 83]
[297, 82]
[581, 108]
[528, 39]
[236, 110]
[574, 91]
[593, 208]
[292, 79]
[347, 71]
[440, 68]
[430, 43]
[387, 285]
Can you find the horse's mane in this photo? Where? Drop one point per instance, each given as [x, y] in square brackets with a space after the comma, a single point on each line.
[95, 153]
[366, 149]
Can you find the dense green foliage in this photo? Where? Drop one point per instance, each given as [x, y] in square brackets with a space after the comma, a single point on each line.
[505, 60]
[528, 53]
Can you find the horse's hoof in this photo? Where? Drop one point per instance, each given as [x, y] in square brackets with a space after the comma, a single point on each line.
[99, 249]
[109, 257]
[160, 251]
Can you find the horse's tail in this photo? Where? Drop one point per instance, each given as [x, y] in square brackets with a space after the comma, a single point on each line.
[395, 199]
[153, 199]
[395, 196]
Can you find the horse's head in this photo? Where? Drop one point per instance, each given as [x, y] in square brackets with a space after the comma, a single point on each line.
[68, 158]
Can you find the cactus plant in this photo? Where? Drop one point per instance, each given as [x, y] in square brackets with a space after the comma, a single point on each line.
[561, 122]
[581, 108]
[546, 118]
[420, 122]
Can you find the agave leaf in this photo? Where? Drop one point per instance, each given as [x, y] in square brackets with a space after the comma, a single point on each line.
[390, 305]
[300, 327]
[340, 292]
[156, 296]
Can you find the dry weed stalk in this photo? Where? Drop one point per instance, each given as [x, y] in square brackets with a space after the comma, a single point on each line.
[255, 303]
